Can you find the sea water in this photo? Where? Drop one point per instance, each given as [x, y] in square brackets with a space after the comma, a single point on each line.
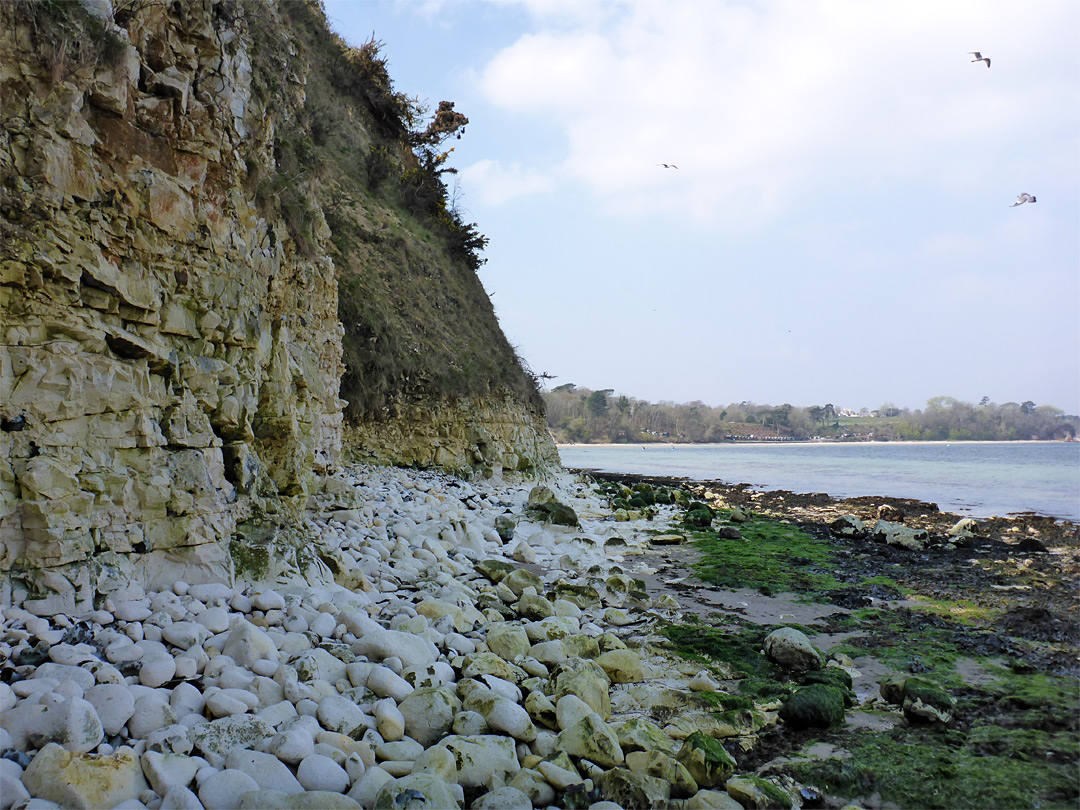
[979, 479]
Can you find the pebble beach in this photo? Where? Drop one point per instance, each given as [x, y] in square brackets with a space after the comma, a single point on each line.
[476, 656]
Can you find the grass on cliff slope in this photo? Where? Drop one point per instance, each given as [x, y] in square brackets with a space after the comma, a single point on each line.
[418, 322]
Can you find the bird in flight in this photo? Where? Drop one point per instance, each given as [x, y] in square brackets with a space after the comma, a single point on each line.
[1023, 198]
[668, 165]
[980, 58]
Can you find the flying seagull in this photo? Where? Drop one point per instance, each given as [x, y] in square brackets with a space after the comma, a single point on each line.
[668, 165]
[1023, 198]
[980, 58]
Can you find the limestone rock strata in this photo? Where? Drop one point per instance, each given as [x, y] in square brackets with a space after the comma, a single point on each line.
[170, 355]
[493, 435]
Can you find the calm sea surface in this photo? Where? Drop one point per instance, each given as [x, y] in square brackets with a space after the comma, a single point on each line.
[979, 479]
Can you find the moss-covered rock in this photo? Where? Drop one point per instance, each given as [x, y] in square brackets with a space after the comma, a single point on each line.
[832, 676]
[592, 739]
[521, 578]
[698, 518]
[543, 505]
[662, 766]
[562, 515]
[505, 526]
[584, 596]
[755, 793]
[639, 734]
[922, 700]
[817, 706]
[629, 789]
[663, 496]
[495, 570]
[706, 760]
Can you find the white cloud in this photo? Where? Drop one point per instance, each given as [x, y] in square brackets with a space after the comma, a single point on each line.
[493, 183]
[758, 103]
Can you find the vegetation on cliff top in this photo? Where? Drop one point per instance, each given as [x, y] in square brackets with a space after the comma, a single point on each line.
[584, 415]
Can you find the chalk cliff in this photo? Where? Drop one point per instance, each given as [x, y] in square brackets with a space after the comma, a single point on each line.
[171, 346]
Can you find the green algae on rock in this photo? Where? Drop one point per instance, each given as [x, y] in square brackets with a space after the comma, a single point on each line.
[706, 759]
[814, 706]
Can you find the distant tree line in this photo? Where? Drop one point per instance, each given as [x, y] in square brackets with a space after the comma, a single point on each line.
[593, 416]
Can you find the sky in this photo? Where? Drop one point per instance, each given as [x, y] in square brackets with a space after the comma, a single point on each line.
[839, 228]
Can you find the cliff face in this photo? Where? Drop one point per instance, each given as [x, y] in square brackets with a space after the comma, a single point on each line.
[171, 345]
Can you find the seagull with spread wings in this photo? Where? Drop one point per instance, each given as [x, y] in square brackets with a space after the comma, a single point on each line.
[668, 165]
[980, 58]
[1023, 198]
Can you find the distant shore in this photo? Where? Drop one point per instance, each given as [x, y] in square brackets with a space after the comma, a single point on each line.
[972, 478]
[942, 442]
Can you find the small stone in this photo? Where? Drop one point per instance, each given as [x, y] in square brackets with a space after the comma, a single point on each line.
[151, 713]
[389, 720]
[180, 798]
[384, 682]
[337, 713]
[114, 705]
[814, 706]
[220, 704]
[292, 745]
[629, 789]
[504, 798]
[510, 718]
[224, 789]
[266, 769]
[246, 644]
[533, 784]
[72, 723]
[661, 766]
[218, 738]
[367, 787]
[508, 641]
[268, 600]
[310, 800]
[590, 738]
[429, 713]
[621, 666]
[322, 773]
[418, 791]
[712, 800]
[481, 758]
[165, 771]
[185, 635]
[703, 682]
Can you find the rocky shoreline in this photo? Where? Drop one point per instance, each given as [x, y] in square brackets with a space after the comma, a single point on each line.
[460, 644]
